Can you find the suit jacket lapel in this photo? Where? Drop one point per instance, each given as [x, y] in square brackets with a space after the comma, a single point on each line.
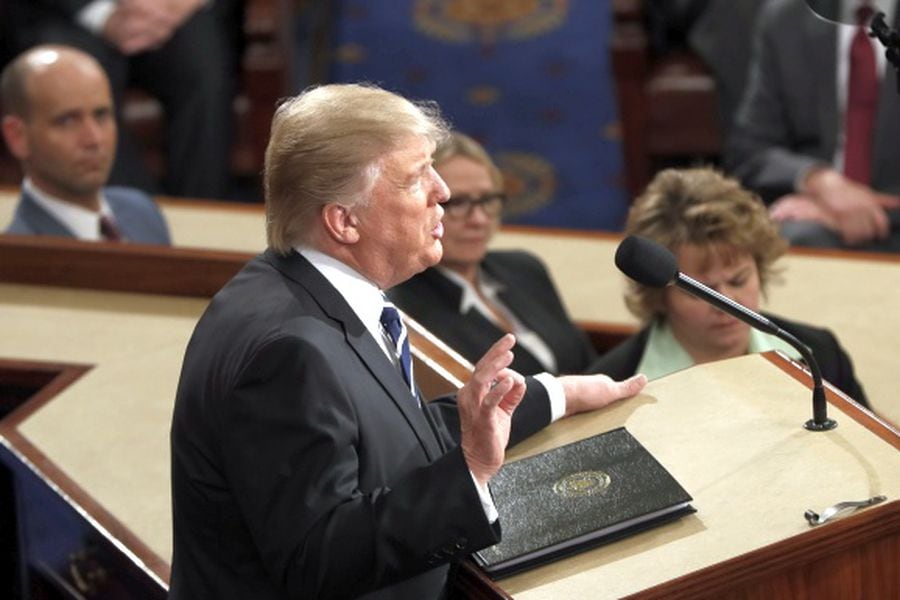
[529, 311]
[478, 325]
[39, 220]
[358, 338]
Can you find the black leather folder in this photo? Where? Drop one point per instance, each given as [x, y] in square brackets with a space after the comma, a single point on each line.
[578, 496]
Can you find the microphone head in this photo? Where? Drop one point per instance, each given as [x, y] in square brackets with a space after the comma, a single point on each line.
[646, 262]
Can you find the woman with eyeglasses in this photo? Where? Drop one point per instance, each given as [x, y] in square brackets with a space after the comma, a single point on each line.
[474, 296]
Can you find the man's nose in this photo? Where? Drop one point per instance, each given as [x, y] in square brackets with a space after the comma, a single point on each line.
[92, 132]
[442, 192]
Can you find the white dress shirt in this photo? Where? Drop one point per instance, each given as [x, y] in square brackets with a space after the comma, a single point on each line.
[367, 300]
[491, 288]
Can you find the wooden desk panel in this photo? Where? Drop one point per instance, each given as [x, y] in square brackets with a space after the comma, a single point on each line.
[102, 441]
[853, 294]
[137, 342]
[731, 433]
[108, 431]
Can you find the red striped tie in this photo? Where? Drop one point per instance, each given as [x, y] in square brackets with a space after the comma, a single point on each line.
[108, 229]
[862, 102]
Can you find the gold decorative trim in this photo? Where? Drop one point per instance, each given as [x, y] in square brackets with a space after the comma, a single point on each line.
[582, 483]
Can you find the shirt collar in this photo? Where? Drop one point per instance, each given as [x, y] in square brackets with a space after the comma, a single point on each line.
[664, 354]
[490, 287]
[363, 296]
[82, 222]
[848, 11]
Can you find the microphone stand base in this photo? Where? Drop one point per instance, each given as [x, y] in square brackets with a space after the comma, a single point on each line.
[826, 425]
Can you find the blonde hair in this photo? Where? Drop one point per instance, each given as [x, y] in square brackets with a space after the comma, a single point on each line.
[459, 144]
[325, 146]
[703, 208]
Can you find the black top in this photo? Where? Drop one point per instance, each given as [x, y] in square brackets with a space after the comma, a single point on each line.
[433, 300]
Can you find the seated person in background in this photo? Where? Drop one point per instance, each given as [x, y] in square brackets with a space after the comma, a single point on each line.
[718, 31]
[58, 122]
[816, 132]
[723, 237]
[183, 52]
[473, 296]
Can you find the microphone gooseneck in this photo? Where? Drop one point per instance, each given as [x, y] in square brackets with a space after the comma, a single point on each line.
[653, 265]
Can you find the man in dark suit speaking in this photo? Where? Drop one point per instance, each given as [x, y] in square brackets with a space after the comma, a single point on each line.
[304, 463]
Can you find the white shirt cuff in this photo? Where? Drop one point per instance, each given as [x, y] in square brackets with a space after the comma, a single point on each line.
[93, 17]
[487, 503]
[556, 394]
[557, 411]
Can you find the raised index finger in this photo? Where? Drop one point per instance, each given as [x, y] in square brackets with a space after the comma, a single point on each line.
[498, 357]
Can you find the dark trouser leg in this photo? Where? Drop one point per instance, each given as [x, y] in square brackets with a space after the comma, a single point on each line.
[809, 234]
[193, 76]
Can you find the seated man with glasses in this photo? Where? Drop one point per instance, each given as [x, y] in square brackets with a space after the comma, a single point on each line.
[472, 297]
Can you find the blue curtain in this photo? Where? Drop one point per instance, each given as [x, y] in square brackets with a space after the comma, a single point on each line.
[530, 79]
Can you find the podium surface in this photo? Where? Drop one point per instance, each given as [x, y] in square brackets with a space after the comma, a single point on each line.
[102, 442]
[851, 293]
[731, 433]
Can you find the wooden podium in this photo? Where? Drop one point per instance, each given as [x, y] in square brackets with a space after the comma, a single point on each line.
[106, 362]
[731, 433]
[93, 339]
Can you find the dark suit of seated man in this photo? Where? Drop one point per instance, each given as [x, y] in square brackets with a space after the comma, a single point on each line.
[58, 122]
[304, 462]
[824, 161]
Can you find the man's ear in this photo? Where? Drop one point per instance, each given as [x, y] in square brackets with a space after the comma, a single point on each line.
[341, 223]
[15, 136]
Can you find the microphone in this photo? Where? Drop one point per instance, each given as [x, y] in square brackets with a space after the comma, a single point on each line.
[834, 11]
[653, 265]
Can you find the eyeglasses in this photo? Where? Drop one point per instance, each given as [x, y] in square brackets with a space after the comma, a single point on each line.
[459, 207]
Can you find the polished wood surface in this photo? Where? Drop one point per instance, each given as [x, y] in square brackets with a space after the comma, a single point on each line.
[134, 343]
[100, 328]
[731, 433]
[113, 266]
[182, 272]
[853, 294]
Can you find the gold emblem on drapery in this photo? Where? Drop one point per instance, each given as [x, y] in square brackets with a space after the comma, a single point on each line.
[488, 21]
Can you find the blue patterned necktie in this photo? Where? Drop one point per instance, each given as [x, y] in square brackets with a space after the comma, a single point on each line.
[390, 320]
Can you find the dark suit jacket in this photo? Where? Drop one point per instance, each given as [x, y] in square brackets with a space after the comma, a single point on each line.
[722, 37]
[301, 464]
[433, 300]
[788, 120]
[137, 217]
[622, 361]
